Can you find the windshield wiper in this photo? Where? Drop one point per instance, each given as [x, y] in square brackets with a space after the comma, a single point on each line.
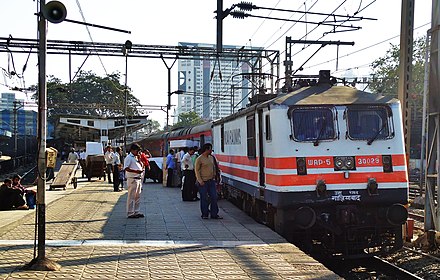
[324, 123]
[369, 142]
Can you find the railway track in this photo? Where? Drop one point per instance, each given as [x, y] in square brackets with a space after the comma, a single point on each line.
[369, 268]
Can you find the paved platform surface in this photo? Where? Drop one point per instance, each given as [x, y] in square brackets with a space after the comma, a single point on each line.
[89, 235]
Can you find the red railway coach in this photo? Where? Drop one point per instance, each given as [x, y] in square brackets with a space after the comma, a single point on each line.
[156, 143]
[323, 163]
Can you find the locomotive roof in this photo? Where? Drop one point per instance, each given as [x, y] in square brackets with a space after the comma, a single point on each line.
[321, 94]
[325, 94]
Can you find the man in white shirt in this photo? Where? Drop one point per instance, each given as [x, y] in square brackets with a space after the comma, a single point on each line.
[108, 156]
[189, 190]
[73, 156]
[133, 172]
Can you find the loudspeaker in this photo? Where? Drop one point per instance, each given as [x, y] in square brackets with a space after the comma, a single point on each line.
[55, 11]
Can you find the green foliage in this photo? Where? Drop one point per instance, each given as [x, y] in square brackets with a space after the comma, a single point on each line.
[386, 71]
[385, 81]
[187, 119]
[152, 126]
[89, 94]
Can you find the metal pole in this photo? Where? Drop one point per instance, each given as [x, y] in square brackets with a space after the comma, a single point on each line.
[169, 95]
[42, 117]
[126, 102]
[15, 133]
[405, 67]
[41, 262]
[219, 26]
[424, 117]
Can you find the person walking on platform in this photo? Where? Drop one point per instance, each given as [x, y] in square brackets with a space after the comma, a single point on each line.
[189, 191]
[73, 156]
[144, 155]
[108, 156]
[205, 174]
[171, 165]
[116, 167]
[133, 171]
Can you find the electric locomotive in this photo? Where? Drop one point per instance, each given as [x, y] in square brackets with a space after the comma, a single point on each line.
[323, 165]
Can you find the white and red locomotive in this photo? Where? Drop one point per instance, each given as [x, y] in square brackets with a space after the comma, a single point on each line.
[325, 164]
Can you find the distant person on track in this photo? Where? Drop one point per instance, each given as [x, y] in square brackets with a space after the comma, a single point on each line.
[133, 171]
[205, 174]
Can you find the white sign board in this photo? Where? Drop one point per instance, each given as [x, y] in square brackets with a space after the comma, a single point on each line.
[183, 143]
[94, 148]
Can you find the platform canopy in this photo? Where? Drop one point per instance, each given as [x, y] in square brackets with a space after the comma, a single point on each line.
[98, 129]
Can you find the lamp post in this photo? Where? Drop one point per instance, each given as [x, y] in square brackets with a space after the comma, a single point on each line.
[169, 102]
[125, 49]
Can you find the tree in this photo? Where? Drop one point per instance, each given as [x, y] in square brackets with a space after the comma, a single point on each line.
[89, 94]
[152, 126]
[385, 70]
[385, 81]
[188, 119]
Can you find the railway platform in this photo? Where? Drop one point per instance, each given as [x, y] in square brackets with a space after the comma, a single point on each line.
[88, 234]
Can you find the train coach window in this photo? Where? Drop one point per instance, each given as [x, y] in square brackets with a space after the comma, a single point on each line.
[251, 143]
[313, 124]
[268, 129]
[368, 123]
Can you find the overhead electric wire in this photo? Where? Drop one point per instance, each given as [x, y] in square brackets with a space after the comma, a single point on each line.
[90, 34]
[258, 28]
[365, 48]
[282, 35]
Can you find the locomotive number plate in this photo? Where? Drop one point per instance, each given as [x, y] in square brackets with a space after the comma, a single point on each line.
[362, 161]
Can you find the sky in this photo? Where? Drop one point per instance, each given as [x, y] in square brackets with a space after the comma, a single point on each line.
[168, 22]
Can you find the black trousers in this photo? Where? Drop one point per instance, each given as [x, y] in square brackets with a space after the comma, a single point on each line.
[109, 172]
[189, 191]
[170, 177]
[115, 178]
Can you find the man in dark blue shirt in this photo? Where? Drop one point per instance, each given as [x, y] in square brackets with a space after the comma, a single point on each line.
[171, 165]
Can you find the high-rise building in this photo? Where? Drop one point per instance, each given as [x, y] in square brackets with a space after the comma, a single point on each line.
[13, 114]
[212, 88]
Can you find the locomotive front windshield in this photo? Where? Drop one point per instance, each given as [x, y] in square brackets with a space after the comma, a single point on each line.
[368, 123]
[313, 124]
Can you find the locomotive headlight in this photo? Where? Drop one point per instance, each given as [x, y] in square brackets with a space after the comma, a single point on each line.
[349, 162]
[339, 163]
[344, 163]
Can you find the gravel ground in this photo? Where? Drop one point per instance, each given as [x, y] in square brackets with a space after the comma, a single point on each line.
[423, 266]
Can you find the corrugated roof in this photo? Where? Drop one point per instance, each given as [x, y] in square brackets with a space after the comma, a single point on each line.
[326, 94]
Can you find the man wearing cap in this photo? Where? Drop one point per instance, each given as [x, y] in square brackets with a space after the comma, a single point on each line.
[133, 172]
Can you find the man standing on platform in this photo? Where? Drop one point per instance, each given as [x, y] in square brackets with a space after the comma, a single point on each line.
[171, 165]
[189, 191]
[108, 156]
[133, 171]
[205, 174]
